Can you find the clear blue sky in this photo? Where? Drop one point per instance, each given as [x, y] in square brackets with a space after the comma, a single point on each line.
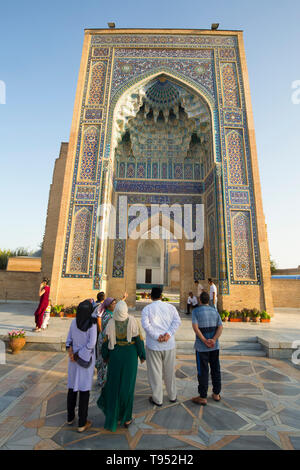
[41, 43]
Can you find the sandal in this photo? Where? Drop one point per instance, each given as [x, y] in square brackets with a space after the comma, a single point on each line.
[126, 425]
[214, 397]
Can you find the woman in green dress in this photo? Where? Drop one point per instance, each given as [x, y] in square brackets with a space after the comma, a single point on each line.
[122, 346]
[104, 313]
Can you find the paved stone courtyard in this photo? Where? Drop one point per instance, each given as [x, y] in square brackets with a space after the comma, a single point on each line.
[260, 408]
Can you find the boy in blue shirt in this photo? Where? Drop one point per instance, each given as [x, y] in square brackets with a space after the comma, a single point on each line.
[208, 327]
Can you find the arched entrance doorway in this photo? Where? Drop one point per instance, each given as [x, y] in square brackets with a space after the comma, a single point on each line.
[150, 264]
[163, 154]
[158, 262]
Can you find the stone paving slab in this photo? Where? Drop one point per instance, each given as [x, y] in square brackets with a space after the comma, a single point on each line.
[260, 408]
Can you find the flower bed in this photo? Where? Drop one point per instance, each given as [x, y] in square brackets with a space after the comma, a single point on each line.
[245, 315]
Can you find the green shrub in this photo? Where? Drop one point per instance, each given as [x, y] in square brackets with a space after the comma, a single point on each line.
[58, 308]
[264, 315]
[232, 314]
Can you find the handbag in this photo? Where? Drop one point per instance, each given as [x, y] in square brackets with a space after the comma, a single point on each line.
[81, 362]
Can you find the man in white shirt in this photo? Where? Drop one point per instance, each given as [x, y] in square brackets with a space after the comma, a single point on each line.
[160, 321]
[192, 300]
[199, 290]
[213, 298]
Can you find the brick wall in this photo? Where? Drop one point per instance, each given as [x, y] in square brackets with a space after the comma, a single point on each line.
[286, 293]
[53, 211]
[18, 285]
[24, 263]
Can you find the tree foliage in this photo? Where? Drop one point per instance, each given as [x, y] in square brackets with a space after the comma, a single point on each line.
[273, 266]
[5, 254]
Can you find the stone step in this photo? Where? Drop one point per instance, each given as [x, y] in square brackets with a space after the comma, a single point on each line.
[223, 344]
[246, 347]
[227, 352]
[239, 345]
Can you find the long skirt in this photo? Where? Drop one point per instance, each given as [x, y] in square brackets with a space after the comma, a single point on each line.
[116, 399]
[39, 313]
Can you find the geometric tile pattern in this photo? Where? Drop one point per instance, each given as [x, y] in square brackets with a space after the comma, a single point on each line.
[230, 85]
[81, 239]
[208, 63]
[236, 159]
[97, 83]
[239, 197]
[119, 258]
[85, 193]
[198, 260]
[164, 142]
[249, 416]
[212, 247]
[89, 154]
[242, 245]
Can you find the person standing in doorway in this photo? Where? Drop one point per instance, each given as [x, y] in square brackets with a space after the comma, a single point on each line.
[199, 289]
[208, 327]
[213, 297]
[160, 321]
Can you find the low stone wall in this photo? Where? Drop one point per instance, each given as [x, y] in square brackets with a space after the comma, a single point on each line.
[24, 264]
[18, 285]
[286, 292]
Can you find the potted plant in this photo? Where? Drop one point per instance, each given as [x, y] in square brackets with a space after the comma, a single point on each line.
[138, 297]
[70, 312]
[17, 340]
[226, 315]
[53, 312]
[255, 315]
[59, 310]
[235, 316]
[246, 314]
[232, 316]
[264, 317]
[222, 315]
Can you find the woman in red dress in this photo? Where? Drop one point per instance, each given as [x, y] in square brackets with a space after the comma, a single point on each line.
[44, 301]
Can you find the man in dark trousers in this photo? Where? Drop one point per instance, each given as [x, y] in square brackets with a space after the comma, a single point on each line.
[207, 325]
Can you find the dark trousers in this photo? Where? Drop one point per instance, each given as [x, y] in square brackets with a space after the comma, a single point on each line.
[189, 307]
[204, 359]
[83, 406]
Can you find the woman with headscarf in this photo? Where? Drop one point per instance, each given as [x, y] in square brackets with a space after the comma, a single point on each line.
[104, 313]
[80, 344]
[122, 346]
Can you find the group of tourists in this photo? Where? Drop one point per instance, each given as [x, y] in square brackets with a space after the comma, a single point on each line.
[106, 336]
[194, 300]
